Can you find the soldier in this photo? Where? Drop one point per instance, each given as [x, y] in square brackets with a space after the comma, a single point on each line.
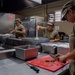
[49, 32]
[19, 30]
[68, 14]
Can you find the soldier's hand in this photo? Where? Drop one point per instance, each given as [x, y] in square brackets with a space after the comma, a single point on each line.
[38, 27]
[57, 55]
[61, 57]
[51, 41]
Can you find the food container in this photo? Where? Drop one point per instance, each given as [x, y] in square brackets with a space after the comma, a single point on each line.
[26, 52]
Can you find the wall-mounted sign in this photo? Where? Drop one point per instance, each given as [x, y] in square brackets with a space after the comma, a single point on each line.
[51, 17]
[57, 16]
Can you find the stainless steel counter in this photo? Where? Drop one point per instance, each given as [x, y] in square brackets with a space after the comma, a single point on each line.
[26, 41]
[12, 66]
[62, 48]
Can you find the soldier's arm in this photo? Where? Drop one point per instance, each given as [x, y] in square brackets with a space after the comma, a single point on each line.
[40, 28]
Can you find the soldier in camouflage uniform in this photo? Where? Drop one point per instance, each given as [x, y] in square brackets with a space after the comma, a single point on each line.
[19, 30]
[68, 13]
[49, 32]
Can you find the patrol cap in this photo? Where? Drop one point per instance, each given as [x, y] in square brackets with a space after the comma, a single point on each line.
[18, 19]
[50, 24]
[66, 7]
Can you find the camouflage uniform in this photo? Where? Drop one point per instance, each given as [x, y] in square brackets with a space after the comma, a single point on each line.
[72, 47]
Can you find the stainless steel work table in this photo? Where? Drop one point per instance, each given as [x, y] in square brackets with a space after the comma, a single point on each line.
[13, 66]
